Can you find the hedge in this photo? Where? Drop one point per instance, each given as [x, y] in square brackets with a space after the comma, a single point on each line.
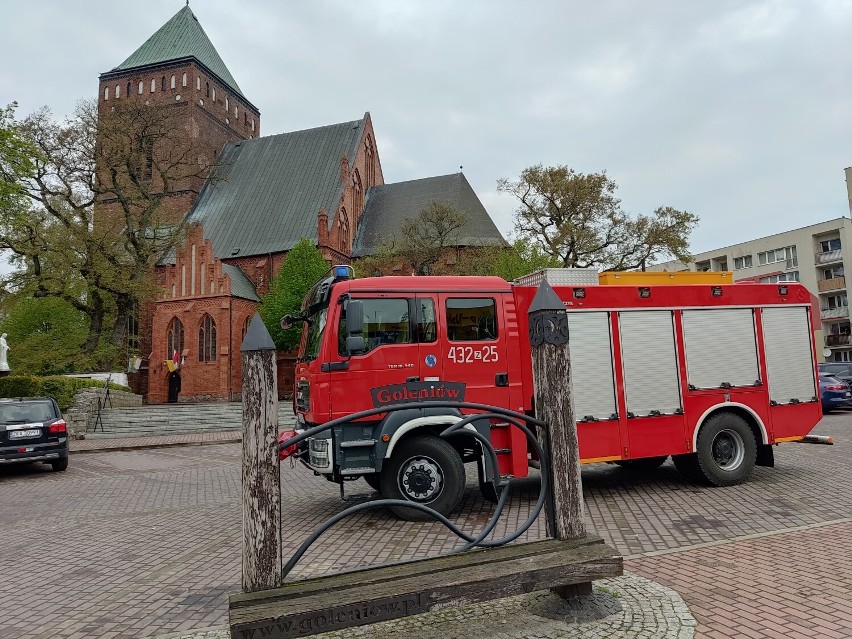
[62, 389]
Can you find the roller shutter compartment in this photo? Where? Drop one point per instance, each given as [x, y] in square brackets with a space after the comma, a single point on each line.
[591, 365]
[650, 362]
[721, 349]
[789, 357]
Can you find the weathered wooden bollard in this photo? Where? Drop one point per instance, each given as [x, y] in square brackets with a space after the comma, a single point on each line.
[554, 404]
[261, 471]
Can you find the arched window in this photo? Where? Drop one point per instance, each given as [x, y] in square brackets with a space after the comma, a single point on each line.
[153, 85]
[174, 338]
[343, 232]
[117, 91]
[207, 340]
[370, 162]
[129, 90]
[173, 82]
[141, 86]
[227, 103]
[198, 83]
[106, 93]
[184, 79]
[213, 96]
[358, 193]
[163, 83]
[245, 327]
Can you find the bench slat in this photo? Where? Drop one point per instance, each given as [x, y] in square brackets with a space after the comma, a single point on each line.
[373, 574]
[347, 602]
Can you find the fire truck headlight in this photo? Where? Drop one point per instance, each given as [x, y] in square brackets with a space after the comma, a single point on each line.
[318, 449]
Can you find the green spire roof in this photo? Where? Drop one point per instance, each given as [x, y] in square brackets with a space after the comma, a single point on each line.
[181, 37]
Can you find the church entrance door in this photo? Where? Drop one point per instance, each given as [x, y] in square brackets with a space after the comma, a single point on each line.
[174, 386]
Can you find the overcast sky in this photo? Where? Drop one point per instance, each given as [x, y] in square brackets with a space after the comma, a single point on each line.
[737, 111]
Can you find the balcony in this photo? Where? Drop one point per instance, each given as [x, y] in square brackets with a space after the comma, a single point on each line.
[829, 257]
[838, 340]
[831, 314]
[831, 285]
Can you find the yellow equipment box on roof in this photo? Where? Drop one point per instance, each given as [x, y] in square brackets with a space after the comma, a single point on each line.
[659, 278]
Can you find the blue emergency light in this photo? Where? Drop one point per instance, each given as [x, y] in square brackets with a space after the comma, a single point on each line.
[343, 272]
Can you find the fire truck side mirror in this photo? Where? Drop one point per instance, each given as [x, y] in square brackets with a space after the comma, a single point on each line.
[355, 317]
[355, 342]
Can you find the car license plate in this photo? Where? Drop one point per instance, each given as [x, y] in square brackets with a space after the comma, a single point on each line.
[23, 434]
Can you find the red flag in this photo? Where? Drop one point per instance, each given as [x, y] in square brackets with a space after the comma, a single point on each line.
[176, 360]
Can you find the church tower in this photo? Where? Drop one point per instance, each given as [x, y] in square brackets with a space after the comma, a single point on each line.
[179, 65]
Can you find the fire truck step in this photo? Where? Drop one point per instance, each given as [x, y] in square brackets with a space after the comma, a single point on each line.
[365, 596]
[357, 443]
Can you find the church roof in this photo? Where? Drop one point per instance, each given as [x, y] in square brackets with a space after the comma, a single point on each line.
[241, 285]
[389, 205]
[181, 37]
[266, 193]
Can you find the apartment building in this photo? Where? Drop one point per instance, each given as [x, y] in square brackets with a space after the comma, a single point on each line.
[814, 255]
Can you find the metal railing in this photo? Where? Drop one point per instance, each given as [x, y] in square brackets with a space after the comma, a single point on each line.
[524, 422]
[838, 340]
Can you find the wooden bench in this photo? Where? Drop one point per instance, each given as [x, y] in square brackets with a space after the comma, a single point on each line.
[370, 595]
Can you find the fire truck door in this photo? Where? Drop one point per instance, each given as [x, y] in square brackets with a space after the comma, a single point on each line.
[472, 346]
[389, 358]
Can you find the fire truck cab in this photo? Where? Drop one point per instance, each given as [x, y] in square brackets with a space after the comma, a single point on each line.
[711, 374]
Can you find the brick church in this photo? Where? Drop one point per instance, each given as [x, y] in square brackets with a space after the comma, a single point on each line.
[264, 195]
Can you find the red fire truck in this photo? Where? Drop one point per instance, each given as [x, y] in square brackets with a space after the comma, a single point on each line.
[712, 375]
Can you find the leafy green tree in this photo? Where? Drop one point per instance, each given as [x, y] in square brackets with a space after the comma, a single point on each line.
[521, 258]
[303, 266]
[46, 336]
[16, 158]
[576, 219]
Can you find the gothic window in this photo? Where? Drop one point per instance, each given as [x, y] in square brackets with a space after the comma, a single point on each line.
[117, 91]
[371, 171]
[141, 87]
[163, 83]
[153, 85]
[198, 84]
[213, 96]
[358, 193]
[207, 340]
[343, 232]
[227, 104]
[106, 93]
[208, 89]
[252, 124]
[174, 338]
[173, 82]
[236, 112]
[184, 81]
[129, 90]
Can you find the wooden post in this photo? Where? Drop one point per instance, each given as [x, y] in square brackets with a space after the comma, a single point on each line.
[554, 404]
[261, 471]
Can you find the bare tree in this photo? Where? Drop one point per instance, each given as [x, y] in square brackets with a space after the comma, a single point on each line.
[426, 237]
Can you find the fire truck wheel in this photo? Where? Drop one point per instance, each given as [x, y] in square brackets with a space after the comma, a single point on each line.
[726, 450]
[426, 470]
[643, 464]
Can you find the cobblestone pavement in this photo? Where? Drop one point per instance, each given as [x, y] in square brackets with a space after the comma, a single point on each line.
[134, 543]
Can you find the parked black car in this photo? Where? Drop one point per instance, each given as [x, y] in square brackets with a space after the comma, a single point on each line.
[840, 370]
[32, 430]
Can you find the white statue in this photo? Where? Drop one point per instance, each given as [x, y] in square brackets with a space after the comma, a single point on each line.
[4, 353]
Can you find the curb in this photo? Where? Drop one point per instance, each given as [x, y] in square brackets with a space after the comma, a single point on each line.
[150, 446]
